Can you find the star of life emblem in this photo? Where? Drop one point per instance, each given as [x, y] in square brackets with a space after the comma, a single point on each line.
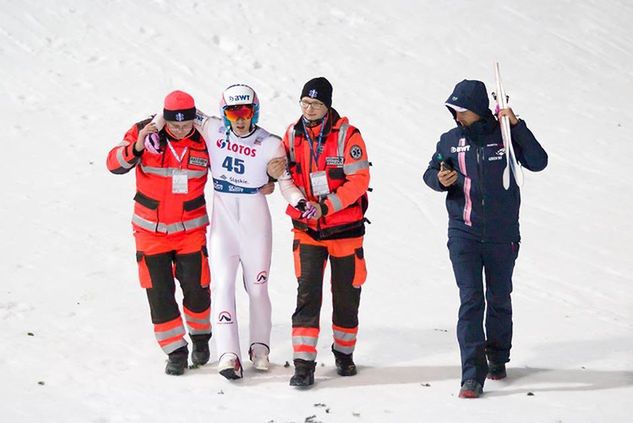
[313, 93]
[356, 152]
[180, 117]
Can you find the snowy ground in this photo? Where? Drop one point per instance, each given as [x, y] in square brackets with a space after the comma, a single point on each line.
[77, 344]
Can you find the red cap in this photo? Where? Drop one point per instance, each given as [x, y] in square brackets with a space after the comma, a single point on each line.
[179, 106]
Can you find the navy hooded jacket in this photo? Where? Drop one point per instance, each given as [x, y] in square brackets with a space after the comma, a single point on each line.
[479, 208]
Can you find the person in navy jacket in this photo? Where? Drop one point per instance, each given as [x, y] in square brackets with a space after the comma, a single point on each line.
[483, 229]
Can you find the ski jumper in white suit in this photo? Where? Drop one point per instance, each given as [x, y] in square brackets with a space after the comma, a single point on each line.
[241, 229]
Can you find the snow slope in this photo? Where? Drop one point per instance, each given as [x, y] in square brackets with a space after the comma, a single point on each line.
[77, 344]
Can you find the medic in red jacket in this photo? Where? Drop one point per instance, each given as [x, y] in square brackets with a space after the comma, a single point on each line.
[327, 159]
[169, 224]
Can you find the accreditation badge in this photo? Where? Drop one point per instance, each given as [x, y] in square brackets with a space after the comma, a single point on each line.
[319, 183]
[179, 182]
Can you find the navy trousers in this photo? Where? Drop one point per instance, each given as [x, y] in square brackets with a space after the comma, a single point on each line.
[472, 260]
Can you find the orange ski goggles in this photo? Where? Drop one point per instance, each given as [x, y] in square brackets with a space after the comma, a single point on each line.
[244, 111]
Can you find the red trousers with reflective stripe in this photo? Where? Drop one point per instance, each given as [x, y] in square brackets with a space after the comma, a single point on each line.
[348, 274]
[162, 259]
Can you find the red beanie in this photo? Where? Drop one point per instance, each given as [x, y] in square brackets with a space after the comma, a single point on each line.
[179, 106]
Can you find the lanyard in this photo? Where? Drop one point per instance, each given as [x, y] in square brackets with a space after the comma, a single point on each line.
[179, 159]
[315, 153]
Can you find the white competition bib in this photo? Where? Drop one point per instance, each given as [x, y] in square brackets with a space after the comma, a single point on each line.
[240, 161]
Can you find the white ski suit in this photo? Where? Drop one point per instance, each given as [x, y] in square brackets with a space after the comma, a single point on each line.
[241, 230]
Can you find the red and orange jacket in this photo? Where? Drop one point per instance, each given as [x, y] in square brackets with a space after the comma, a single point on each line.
[343, 157]
[157, 209]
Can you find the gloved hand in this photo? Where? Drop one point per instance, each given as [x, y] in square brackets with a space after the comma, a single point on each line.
[152, 143]
[308, 210]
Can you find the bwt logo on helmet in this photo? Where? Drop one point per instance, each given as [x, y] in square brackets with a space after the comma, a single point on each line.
[236, 148]
[239, 97]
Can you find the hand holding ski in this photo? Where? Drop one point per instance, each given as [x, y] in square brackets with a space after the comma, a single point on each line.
[511, 162]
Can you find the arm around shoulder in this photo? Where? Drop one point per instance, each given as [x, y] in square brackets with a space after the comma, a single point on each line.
[122, 158]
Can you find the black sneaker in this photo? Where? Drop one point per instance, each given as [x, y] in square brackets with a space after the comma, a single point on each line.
[496, 371]
[344, 363]
[304, 373]
[471, 389]
[177, 361]
[200, 353]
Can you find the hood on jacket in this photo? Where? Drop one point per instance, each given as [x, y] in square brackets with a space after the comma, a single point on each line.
[471, 95]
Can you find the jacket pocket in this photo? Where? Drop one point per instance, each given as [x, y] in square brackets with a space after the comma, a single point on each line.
[205, 272]
[360, 268]
[336, 173]
[297, 257]
[146, 201]
[194, 204]
[143, 272]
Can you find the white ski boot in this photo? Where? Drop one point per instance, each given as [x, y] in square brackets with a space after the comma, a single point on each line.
[259, 356]
[230, 366]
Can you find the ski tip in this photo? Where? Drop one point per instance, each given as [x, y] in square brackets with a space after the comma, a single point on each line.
[506, 178]
[518, 176]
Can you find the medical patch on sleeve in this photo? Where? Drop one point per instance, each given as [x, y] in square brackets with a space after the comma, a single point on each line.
[356, 152]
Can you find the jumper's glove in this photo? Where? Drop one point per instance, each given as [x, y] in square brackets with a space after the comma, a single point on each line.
[152, 143]
[307, 209]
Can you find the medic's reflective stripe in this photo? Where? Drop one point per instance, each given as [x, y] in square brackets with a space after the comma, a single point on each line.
[291, 143]
[170, 335]
[304, 341]
[336, 202]
[122, 162]
[172, 227]
[352, 168]
[307, 356]
[198, 323]
[468, 204]
[163, 335]
[342, 133]
[344, 336]
[170, 171]
[344, 339]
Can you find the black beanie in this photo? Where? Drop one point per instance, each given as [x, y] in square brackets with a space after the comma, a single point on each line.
[320, 89]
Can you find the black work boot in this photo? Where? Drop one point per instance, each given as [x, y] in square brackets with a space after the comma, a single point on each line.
[344, 363]
[304, 373]
[496, 371]
[177, 361]
[471, 389]
[200, 352]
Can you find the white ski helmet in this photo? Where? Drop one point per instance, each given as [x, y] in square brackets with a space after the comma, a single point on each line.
[236, 95]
